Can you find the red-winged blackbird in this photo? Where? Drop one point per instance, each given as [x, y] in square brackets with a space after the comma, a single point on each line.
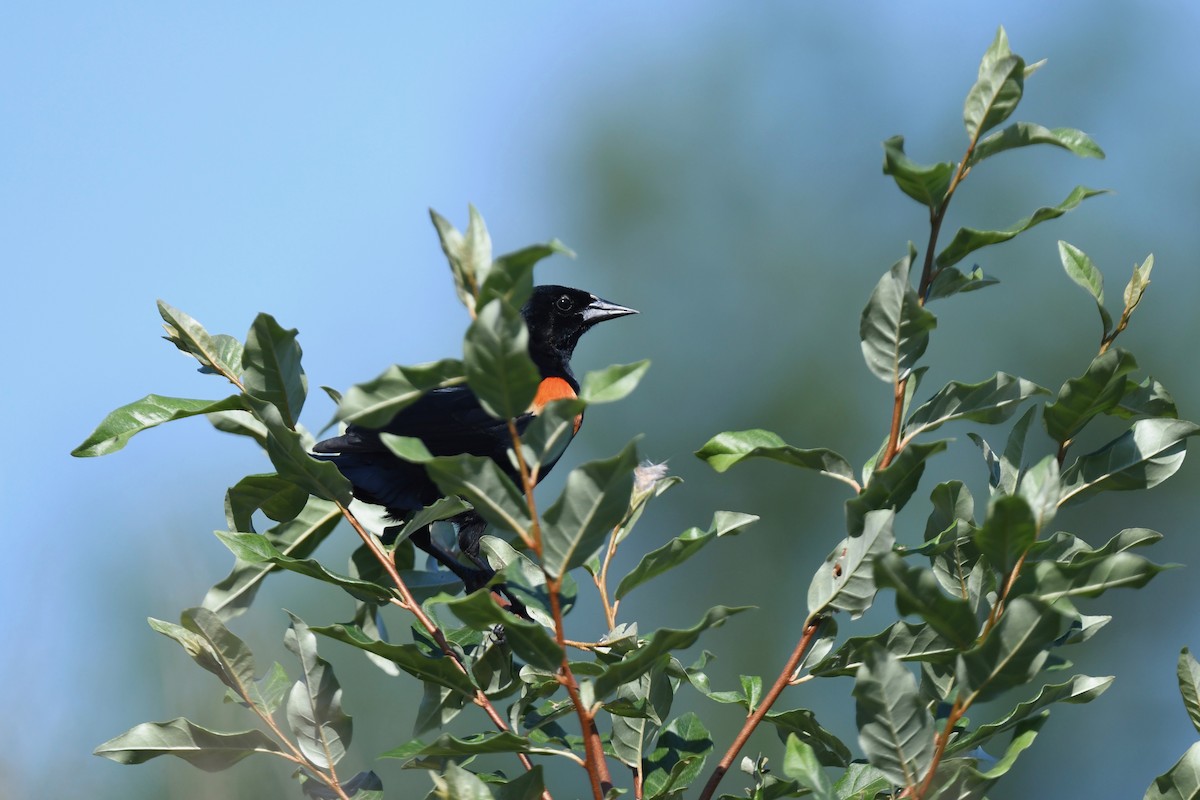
[451, 421]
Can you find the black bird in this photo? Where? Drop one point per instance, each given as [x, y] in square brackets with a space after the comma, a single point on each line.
[451, 421]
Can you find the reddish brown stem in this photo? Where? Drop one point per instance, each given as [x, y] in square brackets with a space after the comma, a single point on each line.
[752, 722]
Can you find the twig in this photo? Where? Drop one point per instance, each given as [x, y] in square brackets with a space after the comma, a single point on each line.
[785, 677]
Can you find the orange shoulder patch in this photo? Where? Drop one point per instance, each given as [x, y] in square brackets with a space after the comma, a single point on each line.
[551, 389]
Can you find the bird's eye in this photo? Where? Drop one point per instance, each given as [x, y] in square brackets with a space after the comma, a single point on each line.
[563, 303]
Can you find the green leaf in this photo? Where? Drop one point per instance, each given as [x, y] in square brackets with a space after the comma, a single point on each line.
[279, 499]
[296, 538]
[1137, 284]
[529, 640]
[550, 431]
[510, 276]
[457, 783]
[1188, 672]
[1095, 392]
[683, 547]
[989, 402]
[374, 403]
[223, 653]
[846, 581]
[1145, 456]
[1180, 782]
[594, 501]
[968, 240]
[927, 184]
[907, 641]
[273, 370]
[895, 730]
[1009, 530]
[314, 706]
[1051, 581]
[1146, 399]
[1013, 652]
[651, 695]
[997, 90]
[255, 548]
[211, 751]
[894, 485]
[802, 724]
[496, 361]
[289, 455]
[800, 763]
[240, 422]
[447, 745]
[1024, 134]
[949, 281]
[1080, 269]
[895, 326]
[481, 482]
[726, 449]
[663, 641]
[273, 686]
[613, 383]
[1079, 689]
[470, 256]
[437, 669]
[219, 354]
[1041, 488]
[678, 759]
[861, 781]
[917, 592]
[526, 786]
[120, 425]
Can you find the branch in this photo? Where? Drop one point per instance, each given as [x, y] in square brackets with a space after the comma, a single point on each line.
[811, 627]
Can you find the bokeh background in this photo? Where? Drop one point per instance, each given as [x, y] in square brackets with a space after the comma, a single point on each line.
[715, 165]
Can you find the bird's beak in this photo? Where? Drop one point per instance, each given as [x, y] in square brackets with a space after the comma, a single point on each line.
[599, 310]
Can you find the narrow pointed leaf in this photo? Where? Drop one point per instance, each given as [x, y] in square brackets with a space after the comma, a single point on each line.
[219, 354]
[678, 758]
[949, 281]
[917, 592]
[211, 751]
[1009, 530]
[907, 641]
[1188, 672]
[289, 455]
[681, 548]
[1013, 652]
[726, 449]
[1080, 269]
[482, 483]
[1051, 581]
[612, 384]
[893, 486]
[925, 183]
[1145, 456]
[1079, 689]
[997, 90]
[272, 367]
[409, 657]
[802, 724]
[448, 745]
[375, 402]
[496, 361]
[510, 276]
[1137, 284]
[454, 245]
[1149, 398]
[895, 730]
[846, 581]
[968, 240]
[800, 763]
[226, 656]
[1095, 392]
[529, 640]
[1024, 134]
[121, 424]
[256, 548]
[1180, 782]
[895, 327]
[989, 402]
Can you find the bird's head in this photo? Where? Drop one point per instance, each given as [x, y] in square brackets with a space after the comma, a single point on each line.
[556, 317]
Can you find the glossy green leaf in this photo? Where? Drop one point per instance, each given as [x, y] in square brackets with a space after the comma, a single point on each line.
[314, 706]
[1013, 652]
[211, 751]
[925, 183]
[1079, 689]
[510, 276]
[457, 783]
[997, 90]
[1145, 456]
[989, 402]
[1051, 581]
[893, 486]
[1080, 269]
[663, 641]
[296, 538]
[895, 729]
[678, 759]
[802, 724]
[726, 449]
[239, 422]
[683, 547]
[220, 652]
[550, 431]
[289, 455]
[1137, 284]
[279, 499]
[121, 424]
[448, 745]
[273, 687]
[219, 354]
[1009, 530]
[968, 240]
[1149, 398]
[437, 669]
[949, 281]
[1024, 134]
[612, 383]
[374, 403]
[1181, 781]
[529, 640]
[272, 367]
[907, 641]
[470, 255]
[800, 763]
[1188, 672]
[633, 735]
[1095, 392]
[846, 581]
[256, 548]
[594, 501]
[861, 781]
[895, 327]
[481, 482]
[496, 361]
[917, 592]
